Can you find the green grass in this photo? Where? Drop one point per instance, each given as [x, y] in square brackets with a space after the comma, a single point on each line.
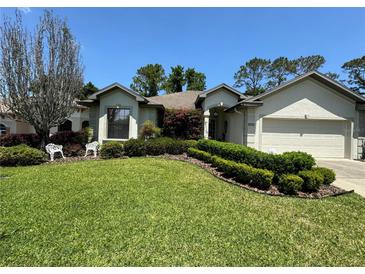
[157, 212]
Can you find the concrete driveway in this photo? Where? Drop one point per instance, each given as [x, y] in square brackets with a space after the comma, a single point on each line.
[350, 175]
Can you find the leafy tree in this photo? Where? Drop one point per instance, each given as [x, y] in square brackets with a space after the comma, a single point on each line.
[149, 80]
[88, 89]
[332, 75]
[176, 80]
[279, 71]
[252, 75]
[356, 73]
[41, 72]
[305, 64]
[195, 80]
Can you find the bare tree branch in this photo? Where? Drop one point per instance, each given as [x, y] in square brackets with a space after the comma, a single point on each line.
[41, 73]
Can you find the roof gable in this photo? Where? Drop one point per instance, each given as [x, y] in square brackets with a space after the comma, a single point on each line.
[138, 97]
[224, 86]
[319, 77]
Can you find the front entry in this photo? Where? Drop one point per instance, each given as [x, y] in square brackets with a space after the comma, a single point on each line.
[212, 129]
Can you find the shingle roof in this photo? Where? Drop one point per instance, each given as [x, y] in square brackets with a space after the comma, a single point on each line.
[185, 99]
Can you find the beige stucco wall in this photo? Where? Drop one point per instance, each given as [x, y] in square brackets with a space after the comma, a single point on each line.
[235, 131]
[94, 120]
[16, 125]
[117, 98]
[76, 118]
[362, 123]
[307, 99]
[147, 113]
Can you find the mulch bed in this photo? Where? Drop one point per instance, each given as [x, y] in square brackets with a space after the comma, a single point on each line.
[324, 191]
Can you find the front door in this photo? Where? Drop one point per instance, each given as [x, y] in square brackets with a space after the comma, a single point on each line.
[212, 127]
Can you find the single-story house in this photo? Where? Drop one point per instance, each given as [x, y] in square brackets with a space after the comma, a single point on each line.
[310, 113]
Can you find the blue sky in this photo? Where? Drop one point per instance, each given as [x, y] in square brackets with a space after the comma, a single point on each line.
[117, 41]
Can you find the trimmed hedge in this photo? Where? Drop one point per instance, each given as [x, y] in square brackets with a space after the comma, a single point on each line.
[329, 176]
[157, 146]
[199, 154]
[289, 162]
[290, 183]
[135, 147]
[312, 180]
[21, 155]
[111, 150]
[138, 147]
[255, 177]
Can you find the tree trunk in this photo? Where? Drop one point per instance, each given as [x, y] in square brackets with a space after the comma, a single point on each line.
[44, 136]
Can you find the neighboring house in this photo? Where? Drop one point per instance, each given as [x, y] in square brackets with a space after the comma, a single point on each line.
[9, 123]
[310, 113]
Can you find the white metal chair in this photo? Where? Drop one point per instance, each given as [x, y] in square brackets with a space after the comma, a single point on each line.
[52, 149]
[93, 146]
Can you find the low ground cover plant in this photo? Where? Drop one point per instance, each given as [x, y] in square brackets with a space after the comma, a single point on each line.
[21, 155]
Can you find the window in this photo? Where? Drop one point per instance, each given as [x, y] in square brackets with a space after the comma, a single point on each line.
[2, 129]
[85, 124]
[66, 126]
[118, 123]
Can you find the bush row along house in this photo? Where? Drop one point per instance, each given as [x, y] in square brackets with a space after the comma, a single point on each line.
[310, 113]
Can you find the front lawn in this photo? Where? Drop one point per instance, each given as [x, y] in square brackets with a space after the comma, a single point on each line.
[158, 212]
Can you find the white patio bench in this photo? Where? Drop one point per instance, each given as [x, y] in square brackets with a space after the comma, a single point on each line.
[94, 146]
[52, 149]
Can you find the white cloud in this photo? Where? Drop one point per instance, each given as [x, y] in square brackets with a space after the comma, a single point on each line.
[25, 10]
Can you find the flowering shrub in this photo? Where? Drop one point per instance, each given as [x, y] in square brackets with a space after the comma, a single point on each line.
[183, 124]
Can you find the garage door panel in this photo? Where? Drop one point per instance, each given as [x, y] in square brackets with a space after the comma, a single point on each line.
[317, 137]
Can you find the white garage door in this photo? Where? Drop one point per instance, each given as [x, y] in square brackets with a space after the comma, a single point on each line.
[317, 137]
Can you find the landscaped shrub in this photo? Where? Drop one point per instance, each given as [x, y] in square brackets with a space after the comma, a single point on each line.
[149, 130]
[298, 161]
[10, 140]
[156, 146]
[183, 124]
[70, 137]
[199, 154]
[111, 150]
[21, 155]
[256, 177]
[291, 162]
[329, 176]
[290, 183]
[312, 180]
[135, 147]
